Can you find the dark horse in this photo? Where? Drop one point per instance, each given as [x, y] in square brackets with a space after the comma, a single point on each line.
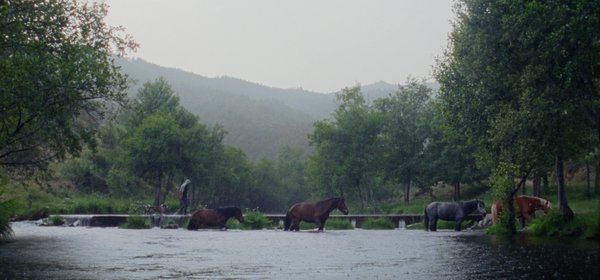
[214, 217]
[451, 211]
[317, 213]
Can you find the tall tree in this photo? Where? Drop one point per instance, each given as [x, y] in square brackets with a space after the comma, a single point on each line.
[406, 128]
[346, 149]
[518, 79]
[58, 76]
[165, 142]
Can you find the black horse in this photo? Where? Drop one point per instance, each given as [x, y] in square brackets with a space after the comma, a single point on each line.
[214, 217]
[317, 213]
[451, 211]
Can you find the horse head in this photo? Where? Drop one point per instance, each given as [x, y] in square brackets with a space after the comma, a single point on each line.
[546, 206]
[481, 208]
[238, 215]
[341, 205]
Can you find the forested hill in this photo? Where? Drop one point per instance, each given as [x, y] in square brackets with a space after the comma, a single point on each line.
[259, 119]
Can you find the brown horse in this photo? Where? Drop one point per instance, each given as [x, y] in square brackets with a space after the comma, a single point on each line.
[525, 206]
[317, 213]
[214, 217]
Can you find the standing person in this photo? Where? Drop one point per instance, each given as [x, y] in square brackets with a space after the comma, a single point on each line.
[183, 198]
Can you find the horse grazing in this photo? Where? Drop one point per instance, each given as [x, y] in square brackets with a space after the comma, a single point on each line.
[214, 217]
[525, 206]
[451, 211]
[317, 213]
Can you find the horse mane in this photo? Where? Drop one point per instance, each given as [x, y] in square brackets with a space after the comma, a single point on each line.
[228, 211]
[539, 199]
[330, 202]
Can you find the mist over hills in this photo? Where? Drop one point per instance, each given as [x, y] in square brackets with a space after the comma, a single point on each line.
[259, 119]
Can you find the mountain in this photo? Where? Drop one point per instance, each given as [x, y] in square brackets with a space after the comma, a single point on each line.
[259, 119]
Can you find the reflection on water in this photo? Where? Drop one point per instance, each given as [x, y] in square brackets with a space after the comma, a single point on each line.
[112, 253]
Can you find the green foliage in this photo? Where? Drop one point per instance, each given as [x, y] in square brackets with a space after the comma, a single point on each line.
[256, 220]
[136, 222]
[57, 220]
[7, 208]
[56, 60]
[555, 225]
[338, 224]
[378, 223]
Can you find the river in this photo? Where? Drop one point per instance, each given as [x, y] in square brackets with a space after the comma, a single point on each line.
[112, 253]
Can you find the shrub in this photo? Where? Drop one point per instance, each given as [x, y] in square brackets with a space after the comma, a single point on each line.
[554, 224]
[136, 222]
[234, 224]
[378, 223]
[256, 220]
[338, 224]
[6, 208]
[57, 220]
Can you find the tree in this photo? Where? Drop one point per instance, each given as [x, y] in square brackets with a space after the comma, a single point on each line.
[165, 142]
[345, 161]
[58, 77]
[518, 79]
[406, 128]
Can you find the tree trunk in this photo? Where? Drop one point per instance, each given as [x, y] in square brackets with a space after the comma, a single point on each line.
[545, 184]
[588, 192]
[407, 191]
[565, 210]
[535, 189]
[456, 194]
[157, 190]
[597, 179]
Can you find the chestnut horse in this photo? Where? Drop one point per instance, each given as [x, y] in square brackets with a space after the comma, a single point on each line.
[214, 217]
[525, 206]
[317, 213]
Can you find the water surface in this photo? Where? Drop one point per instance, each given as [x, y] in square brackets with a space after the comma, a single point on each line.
[113, 253]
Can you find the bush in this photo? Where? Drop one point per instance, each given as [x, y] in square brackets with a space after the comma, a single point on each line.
[256, 220]
[136, 222]
[338, 224]
[6, 208]
[378, 223]
[554, 225]
[57, 220]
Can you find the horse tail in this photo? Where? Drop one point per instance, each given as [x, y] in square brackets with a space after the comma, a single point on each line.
[288, 221]
[192, 224]
[426, 220]
[494, 210]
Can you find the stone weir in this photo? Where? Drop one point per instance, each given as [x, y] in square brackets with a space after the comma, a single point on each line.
[114, 220]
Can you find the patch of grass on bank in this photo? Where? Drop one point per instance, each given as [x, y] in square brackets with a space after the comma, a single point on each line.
[56, 220]
[586, 225]
[253, 220]
[338, 224]
[136, 222]
[378, 223]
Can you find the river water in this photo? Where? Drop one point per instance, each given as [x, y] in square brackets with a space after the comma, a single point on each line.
[112, 253]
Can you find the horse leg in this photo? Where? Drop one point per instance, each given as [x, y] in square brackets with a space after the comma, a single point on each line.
[457, 226]
[433, 224]
[296, 225]
[319, 224]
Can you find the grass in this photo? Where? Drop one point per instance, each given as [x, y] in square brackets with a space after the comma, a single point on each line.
[378, 223]
[57, 220]
[136, 222]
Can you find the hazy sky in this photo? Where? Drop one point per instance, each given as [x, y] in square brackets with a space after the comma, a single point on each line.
[320, 45]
